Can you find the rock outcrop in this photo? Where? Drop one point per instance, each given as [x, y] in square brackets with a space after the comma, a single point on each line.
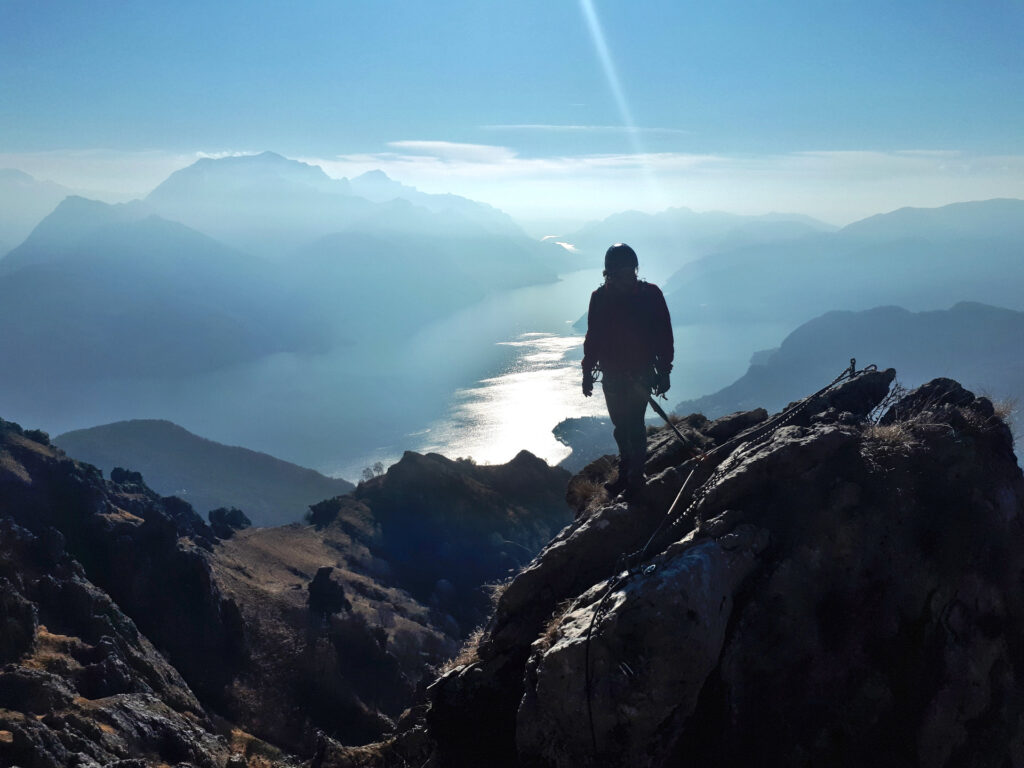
[79, 684]
[837, 592]
[150, 554]
[225, 638]
[444, 528]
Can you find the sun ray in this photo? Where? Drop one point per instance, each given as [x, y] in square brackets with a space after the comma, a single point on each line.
[614, 84]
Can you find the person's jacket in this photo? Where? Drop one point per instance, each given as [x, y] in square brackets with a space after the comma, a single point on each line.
[628, 332]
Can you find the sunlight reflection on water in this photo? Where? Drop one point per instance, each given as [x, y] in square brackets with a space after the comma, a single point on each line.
[516, 410]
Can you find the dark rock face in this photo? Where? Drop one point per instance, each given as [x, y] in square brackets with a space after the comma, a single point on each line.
[80, 685]
[291, 634]
[838, 593]
[448, 527]
[150, 554]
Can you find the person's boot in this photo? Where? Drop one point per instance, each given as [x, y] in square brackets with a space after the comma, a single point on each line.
[634, 487]
[618, 485]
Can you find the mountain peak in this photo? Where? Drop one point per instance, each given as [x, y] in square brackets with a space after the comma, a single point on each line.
[376, 175]
[225, 174]
[13, 174]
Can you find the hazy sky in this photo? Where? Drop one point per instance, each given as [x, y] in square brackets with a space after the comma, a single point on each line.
[547, 109]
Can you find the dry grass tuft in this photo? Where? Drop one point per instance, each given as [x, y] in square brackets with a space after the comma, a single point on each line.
[468, 654]
[892, 434]
[495, 590]
[1006, 410]
[550, 634]
[591, 494]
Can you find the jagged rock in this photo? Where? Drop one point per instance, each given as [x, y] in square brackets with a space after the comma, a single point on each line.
[149, 553]
[937, 394]
[637, 679]
[837, 593]
[858, 395]
[17, 623]
[123, 476]
[89, 689]
[225, 521]
[665, 449]
[727, 427]
[32, 690]
[438, 519]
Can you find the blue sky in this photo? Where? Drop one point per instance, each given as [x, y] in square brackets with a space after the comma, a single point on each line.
[758, 95]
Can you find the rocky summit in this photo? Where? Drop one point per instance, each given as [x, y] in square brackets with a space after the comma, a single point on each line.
[837, 591]
[835, 585]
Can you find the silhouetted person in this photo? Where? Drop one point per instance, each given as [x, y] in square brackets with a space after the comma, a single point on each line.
[629, 338]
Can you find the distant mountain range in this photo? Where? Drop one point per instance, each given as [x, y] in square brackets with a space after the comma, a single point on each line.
[270, 205]
[206, 474]
[99, 290]
[916, 258]
[976, 344]
[667, 240]
[182, 282]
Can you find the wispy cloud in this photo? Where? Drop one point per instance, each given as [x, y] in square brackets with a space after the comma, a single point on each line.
[456, 152]
[837, 186]
[227, 153]
[543, 127]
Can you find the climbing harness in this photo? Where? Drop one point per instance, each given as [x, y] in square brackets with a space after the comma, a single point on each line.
[715, 466]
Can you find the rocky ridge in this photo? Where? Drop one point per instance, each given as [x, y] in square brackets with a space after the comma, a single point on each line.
[132, 630]
[842, 591]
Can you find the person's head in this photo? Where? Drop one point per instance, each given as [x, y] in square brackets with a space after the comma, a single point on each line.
[620, 265]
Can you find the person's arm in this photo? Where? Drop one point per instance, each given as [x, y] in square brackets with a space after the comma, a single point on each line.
[664, 343]
[591, 345]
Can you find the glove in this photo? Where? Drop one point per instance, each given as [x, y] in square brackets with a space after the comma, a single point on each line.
[661, 382]
[588, 383]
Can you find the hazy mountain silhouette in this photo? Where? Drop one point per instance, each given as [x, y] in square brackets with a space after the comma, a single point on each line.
[66, 232]
[207, 474]
[377, 280]
[271, 205]
[974, 343]
[997, 218]
[378, 187]
[666, 240]
[101, 290]
[24, 201]
[263, 204]
[365, 266]
[917, 258]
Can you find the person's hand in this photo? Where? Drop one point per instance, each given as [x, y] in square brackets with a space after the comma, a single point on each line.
[588, 383]
[661, 383]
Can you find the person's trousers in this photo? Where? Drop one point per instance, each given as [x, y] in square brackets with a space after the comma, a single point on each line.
[626, 397]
